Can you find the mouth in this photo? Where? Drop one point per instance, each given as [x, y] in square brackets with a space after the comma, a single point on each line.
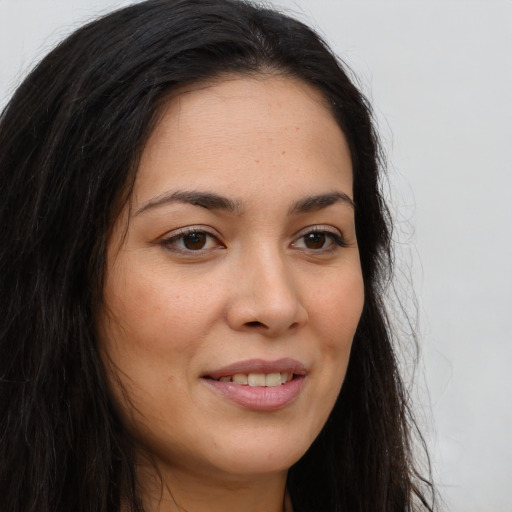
[268, 380]
[259, 372]
[259, 385]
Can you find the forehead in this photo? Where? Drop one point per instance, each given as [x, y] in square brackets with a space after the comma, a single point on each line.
[253, 131]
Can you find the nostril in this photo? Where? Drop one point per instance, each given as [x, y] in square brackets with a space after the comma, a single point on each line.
[254, 324]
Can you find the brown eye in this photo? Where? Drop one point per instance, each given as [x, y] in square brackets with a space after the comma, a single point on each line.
[190, 242]
[320, 241]
[315, 240]
[195, 241]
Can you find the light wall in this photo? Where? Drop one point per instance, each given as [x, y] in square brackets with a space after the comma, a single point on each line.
[439, 74]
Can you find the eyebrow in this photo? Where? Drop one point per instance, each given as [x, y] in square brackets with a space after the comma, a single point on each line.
[318, 202]
[212, 201]
[207, 200]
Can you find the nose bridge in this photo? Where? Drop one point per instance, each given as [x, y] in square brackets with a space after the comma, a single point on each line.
[272, 282]
[266, 294]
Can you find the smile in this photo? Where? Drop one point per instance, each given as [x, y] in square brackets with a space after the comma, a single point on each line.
[259, 385]
[259, 379]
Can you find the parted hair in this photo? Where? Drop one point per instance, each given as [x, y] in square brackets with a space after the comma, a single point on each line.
[70, 142]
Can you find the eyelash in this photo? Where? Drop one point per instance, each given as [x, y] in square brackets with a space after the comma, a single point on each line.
[335, 237]
[170, 243]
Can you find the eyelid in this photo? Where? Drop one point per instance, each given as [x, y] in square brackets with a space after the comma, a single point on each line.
[323, 228]
[336, 235]
[172, 236]
[190, 229]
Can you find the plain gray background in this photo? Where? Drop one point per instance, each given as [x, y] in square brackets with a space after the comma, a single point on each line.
[439, 74]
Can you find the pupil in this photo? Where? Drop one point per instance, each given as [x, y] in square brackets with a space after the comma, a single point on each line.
[315, 240]
[194, 241]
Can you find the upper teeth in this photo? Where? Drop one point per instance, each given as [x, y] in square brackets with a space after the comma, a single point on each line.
[259, 379]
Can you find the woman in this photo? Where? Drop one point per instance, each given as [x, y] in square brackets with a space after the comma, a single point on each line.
[195, 251]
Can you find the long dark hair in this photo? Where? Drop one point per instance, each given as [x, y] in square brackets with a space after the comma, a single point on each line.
[70, 141]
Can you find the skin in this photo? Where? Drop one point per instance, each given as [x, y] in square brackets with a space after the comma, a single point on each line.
[253, 286]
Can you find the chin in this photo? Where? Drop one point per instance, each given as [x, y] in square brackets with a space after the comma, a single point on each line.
[261, 452]
[263, 461]
[246, 454]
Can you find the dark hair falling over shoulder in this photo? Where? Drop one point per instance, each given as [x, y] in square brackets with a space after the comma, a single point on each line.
[70, 140]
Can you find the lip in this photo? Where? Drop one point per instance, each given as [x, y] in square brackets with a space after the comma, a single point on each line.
[259, 366]
[259, 398]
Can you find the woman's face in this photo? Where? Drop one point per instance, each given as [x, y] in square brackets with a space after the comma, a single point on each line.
[233, 285]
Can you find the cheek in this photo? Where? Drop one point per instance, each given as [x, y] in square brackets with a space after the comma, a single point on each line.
[336, 311]
[154, 312]
[140, 350]
[334, 315]
[151, 332]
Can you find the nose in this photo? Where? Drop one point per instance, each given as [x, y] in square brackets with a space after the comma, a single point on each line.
[265, 297]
